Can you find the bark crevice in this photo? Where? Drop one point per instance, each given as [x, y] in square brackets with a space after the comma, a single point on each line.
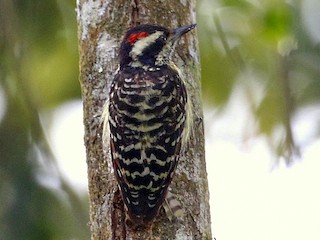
[101, 24]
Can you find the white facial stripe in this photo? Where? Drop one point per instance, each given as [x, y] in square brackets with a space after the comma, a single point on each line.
[141, 44]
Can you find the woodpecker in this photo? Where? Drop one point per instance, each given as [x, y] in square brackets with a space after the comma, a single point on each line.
[145, 119]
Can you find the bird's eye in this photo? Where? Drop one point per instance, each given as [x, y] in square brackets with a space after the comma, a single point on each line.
[136, 36]
[163, 38]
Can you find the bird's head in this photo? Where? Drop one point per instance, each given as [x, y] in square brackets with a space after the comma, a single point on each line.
[150, 45]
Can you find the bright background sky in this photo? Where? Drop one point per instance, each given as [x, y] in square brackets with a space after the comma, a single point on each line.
[251, 197]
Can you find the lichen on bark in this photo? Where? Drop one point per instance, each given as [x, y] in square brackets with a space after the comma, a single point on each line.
[101, 24]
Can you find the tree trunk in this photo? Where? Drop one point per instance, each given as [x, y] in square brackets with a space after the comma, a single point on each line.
[101, 24]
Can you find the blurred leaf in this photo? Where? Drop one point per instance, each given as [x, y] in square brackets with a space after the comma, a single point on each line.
[39, 22]
[268, 39]
[270, 111]
[276, 20]
[52, 76]
[38, 68]
[217, 69]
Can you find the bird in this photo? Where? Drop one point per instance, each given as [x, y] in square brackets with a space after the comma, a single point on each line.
[146, 119]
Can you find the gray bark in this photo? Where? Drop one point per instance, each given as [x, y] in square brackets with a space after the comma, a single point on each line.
[101, 24]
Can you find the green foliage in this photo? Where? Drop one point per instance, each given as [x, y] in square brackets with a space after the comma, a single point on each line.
[267, 39]
[38, 70]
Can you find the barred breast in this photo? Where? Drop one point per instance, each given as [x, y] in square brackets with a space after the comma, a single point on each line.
[147, 113]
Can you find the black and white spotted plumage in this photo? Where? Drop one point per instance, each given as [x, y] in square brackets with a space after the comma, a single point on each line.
[146, 117]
